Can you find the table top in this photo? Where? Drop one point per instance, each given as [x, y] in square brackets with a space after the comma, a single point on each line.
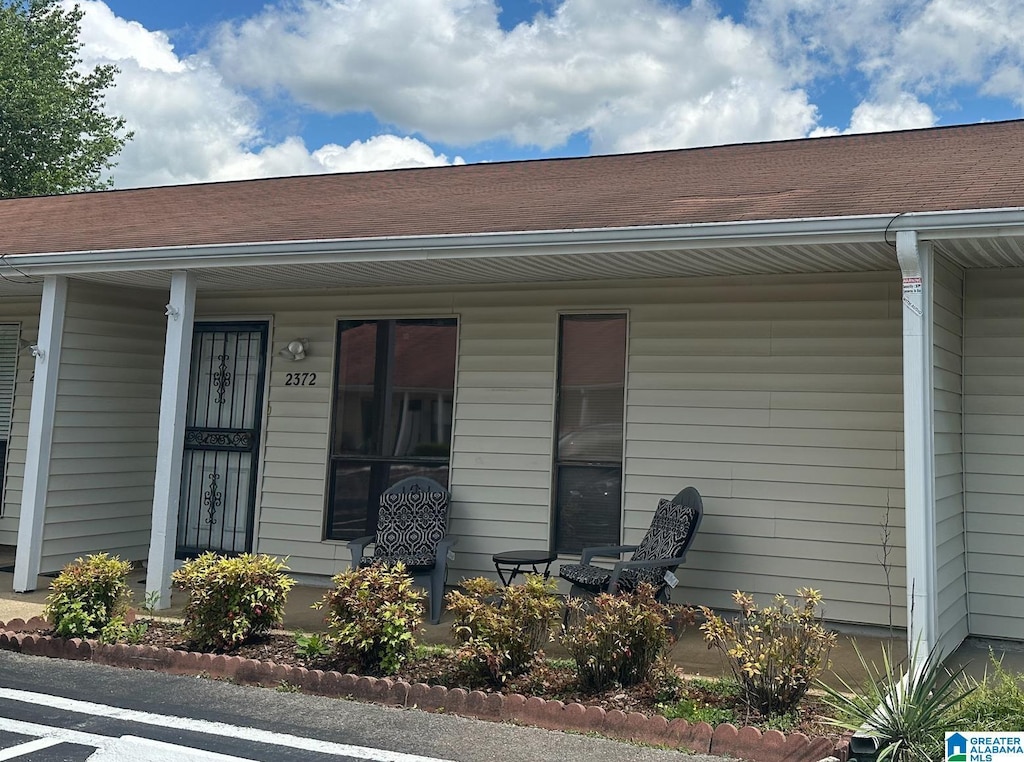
[524, 557]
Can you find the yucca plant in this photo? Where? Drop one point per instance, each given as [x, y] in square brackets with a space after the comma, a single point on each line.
[907, 710]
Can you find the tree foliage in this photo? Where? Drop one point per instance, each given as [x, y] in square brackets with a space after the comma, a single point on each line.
[54, 134]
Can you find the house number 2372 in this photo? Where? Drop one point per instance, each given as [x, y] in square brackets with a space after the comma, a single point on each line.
[300, 379]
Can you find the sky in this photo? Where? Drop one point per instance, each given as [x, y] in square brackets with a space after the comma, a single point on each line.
[235, 89]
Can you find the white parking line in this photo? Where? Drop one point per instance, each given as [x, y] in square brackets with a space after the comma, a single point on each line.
[109, 749]
[205, 726]
[12, 752]
[50, 734]
[135, 749]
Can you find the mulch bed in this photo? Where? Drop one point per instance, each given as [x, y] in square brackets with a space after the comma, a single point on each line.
[546, 697]
[551, 680]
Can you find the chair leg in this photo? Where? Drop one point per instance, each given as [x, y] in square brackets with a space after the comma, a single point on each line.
[436, 596]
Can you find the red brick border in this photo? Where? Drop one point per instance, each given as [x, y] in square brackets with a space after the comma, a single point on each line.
[746, 743]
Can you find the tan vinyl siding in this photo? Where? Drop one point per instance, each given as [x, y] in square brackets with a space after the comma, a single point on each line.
[994, 447]
[100, 495]
[950, 552]
[778, 398]
[781, 400]
[26, 312]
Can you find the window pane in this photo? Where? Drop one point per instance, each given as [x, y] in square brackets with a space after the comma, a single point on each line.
[588, 453]
[354, 429]
[591, 388]
[393, 400]
[356, 487]
[421, 389]
[588, 502]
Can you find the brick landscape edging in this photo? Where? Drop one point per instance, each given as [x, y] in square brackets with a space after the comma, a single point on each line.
[726, 740]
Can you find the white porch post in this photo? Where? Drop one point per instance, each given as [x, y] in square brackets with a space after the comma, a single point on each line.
[40, 432]
[173, 400]
[916, 263]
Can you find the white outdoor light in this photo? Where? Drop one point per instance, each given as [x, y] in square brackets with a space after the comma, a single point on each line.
[296, 349]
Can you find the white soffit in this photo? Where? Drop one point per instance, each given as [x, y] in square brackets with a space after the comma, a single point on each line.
[529, 269]
[981, 252]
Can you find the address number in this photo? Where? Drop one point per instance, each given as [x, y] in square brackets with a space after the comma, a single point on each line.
[300, 379]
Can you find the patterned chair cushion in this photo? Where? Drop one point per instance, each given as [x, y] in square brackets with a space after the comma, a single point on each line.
[592, 578]
[409, 527]
[666, 538]
[413, 564]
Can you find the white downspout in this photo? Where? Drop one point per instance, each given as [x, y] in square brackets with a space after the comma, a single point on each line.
[916, 263]
[181, 310]
[47, 352]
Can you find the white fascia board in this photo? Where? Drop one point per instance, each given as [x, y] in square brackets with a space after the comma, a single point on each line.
[803, 231]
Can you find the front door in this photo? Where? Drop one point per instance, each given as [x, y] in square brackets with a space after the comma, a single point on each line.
[222, 438]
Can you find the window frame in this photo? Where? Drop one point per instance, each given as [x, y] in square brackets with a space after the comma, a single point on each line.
[336, 410]
[623, 313]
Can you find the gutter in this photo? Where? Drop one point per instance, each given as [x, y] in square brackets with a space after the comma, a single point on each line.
[798, 231]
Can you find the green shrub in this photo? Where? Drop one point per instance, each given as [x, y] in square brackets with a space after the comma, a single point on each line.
[501, 630]
[312, 645]
[994, 703]
[618, 639]
[119, 631]
[373, 613]
[88, 595]
[907, 710]
[775, 652]
[232, 599]
[694, 711]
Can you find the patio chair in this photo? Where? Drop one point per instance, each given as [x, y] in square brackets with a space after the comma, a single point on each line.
[662, 550]
[412, 527]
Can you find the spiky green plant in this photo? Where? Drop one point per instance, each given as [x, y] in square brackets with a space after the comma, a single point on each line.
[908, 710]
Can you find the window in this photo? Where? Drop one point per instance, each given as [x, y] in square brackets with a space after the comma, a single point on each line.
[589, 423]
[9, 347]
[393, 395]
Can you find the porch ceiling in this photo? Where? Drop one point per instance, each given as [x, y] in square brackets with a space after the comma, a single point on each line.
[531, 268]
[541, 266]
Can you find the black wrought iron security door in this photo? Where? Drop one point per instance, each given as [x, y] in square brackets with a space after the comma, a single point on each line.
[222, 437]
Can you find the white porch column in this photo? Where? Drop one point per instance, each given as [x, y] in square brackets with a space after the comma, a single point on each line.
[173, 401]
[916, 263]
[40, 432]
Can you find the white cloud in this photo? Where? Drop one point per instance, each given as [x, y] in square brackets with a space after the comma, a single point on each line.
[907, 51]
[904, 112]
[636, 75]
[963, 42]
[192, 126]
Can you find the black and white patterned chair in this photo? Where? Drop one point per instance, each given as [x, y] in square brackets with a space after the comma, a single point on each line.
[412, 527]
[662, 550]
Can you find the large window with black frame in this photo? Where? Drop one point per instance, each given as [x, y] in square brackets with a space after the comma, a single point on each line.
[393, 394]
[589, 427]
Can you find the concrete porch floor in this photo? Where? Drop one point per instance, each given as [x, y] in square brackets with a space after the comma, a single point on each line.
[689, 653]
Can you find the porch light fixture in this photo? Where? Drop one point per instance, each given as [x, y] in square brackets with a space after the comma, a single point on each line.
[296, 350]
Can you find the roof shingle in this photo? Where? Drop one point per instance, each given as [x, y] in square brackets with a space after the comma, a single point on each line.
[949, 168]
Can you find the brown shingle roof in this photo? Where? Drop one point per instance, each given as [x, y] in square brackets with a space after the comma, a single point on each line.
[967, 167]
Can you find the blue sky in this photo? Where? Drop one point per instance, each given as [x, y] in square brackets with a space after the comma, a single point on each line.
[238, 88]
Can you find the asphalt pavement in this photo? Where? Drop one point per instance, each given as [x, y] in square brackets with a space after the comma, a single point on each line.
[52, 710]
